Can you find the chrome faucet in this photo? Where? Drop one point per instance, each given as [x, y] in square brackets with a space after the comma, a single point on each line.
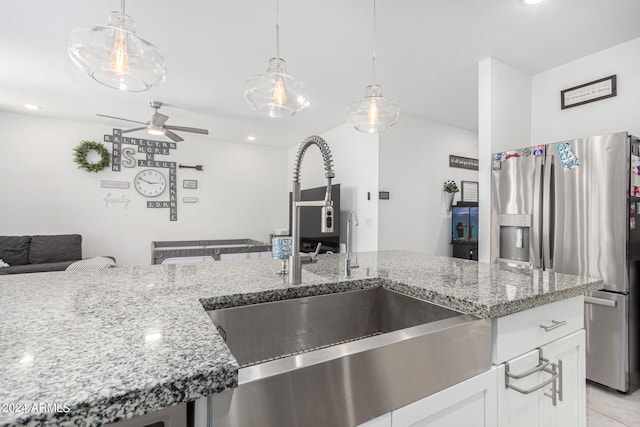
[352, 221]
[326, 216]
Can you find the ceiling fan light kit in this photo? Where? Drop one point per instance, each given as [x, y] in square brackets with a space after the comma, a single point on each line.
[115, 56]
[373, 113]
[274, 92]
[157, 126]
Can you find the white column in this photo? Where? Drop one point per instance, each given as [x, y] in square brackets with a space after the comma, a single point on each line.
[504, 123]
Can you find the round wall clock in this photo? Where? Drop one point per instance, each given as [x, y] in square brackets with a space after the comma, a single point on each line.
[150, 183]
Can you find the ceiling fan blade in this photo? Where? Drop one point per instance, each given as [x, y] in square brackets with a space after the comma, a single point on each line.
[120, 118]
[174, 137]
[187, 129]
[133, 130]
[158, 119]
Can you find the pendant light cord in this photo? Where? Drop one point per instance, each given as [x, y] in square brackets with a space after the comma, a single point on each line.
[373, 66]
[277, 32]
[122, 19]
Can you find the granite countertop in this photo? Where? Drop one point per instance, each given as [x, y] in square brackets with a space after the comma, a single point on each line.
[87, 348]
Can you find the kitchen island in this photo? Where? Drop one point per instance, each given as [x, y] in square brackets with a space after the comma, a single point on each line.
[97, 347]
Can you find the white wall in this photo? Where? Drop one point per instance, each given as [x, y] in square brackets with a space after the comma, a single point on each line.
[355, 158]
[241, 191]
[414, 163]
[620, 113]
[504, 123]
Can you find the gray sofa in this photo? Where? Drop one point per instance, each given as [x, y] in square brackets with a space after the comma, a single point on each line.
[33, 254]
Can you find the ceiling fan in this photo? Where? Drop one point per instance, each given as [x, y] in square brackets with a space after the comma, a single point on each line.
[157, 126]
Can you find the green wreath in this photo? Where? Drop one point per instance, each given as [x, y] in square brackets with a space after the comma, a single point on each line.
[80, 156]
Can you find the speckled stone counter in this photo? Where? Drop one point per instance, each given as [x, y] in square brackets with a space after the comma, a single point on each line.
[87, 348]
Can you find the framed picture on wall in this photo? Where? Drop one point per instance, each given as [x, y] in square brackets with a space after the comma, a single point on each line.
[189, 183]
[469, 191]
[596, 90]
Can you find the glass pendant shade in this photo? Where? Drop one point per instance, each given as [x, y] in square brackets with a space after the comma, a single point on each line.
[115, 56]
[373, 113]
[274, 92]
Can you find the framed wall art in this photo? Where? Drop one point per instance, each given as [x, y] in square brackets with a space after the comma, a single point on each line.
[189, 183]
[596, 90]
[469, 191]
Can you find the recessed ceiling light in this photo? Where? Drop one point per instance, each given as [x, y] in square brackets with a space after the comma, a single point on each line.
[156, 336]
[32, 107]
[251, 138]
[27, 359]
[530, 2]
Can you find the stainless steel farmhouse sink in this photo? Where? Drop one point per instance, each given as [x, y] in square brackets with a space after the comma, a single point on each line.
[344, 358]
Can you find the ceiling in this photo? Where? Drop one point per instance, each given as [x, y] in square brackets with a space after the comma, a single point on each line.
[427, 55]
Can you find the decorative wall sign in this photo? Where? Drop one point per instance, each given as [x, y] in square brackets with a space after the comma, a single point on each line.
[196, 167]
[190, 199]
[129, 157]
[463, 162]
[189, 183]
[589, 92]
[172, 204]
[147, 146]
[150, 148]
[469, 191]
[122, 200]
[105, 183]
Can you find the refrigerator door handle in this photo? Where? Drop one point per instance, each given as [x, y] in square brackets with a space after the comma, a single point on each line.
[535, 243]
[548, 213]
[600, 301]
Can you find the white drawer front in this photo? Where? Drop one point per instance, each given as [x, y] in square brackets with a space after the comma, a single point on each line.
[518, 333]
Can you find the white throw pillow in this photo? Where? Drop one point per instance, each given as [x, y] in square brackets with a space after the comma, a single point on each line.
[89, 264]
[3, 264]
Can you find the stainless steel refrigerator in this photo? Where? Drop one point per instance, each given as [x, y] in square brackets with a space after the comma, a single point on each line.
[573, 207]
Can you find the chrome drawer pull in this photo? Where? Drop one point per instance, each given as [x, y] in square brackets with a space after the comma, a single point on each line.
[554, 324]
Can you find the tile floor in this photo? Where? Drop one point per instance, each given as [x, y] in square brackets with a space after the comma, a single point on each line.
[612, 409]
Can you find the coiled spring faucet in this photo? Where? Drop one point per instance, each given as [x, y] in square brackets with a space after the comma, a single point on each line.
[296, 259]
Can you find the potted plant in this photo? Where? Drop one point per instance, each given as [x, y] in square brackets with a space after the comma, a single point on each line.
[450, 189]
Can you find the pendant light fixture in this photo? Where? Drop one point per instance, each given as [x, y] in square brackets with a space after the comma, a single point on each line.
[373, 113]
[274, 92]
[115, 56]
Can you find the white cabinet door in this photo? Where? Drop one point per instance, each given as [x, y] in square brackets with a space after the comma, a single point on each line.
[570, 409]
[537, 409]
[383, 421]
[471, 403]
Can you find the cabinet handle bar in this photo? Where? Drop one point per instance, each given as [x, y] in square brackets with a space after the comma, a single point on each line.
[600, 301]
[554, 376]
[554, 324]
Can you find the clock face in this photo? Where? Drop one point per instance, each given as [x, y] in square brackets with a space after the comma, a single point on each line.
[150, 183]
